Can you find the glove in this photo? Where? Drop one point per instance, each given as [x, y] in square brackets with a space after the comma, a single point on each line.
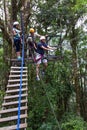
[51, 50]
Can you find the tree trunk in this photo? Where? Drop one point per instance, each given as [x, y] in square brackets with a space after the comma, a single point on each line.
[75, 69]
[14, 10]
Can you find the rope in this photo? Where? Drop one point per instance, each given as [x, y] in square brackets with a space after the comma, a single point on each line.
[22, 64]
[51, 105]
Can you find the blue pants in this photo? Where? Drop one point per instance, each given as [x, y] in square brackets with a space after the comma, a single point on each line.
[17, 43]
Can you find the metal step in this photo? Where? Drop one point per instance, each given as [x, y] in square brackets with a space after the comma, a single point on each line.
[6, 119]
[14, 96]
[13, 103]
[13, 110]
[15, 90]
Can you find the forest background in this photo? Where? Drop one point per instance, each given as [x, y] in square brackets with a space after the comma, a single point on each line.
[59, 101]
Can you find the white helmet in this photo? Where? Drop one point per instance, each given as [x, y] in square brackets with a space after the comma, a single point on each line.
[42, 38]
[16, 23]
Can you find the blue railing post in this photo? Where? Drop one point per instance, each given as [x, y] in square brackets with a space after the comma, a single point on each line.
[21, 73]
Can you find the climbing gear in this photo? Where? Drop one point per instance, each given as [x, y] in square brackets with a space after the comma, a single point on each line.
[16, 23]
[32, 30]
[39, 58]
[42, 38]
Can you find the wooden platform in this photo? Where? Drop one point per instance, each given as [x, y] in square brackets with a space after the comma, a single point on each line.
[31, 60]
[9, 112]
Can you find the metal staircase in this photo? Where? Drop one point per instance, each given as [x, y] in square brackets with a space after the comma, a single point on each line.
[9, 112]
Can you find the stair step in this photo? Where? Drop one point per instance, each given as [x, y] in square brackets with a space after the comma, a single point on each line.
[12, 110]
[13, 103]
[15, 90]
[16, 85]
[14, 96]
[11, 95]
[17, 76]
[13, 127]
[16, 67]
[16, 71]
[17, 80]
[6, 119]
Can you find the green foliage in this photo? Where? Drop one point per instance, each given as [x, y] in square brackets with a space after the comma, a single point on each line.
[53, 17]
[1, 97]
[72, 122]
[48, 126]
[1, 76]
[54, 86]
[1, 56]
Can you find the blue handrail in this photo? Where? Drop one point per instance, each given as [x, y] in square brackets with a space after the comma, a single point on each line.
[22, 64]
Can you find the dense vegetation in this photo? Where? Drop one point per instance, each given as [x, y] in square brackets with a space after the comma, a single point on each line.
[59, 100]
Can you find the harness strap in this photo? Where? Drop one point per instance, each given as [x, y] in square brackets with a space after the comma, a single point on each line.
[36, 60]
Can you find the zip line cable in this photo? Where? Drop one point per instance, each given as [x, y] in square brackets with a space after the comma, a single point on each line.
[22, 64]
